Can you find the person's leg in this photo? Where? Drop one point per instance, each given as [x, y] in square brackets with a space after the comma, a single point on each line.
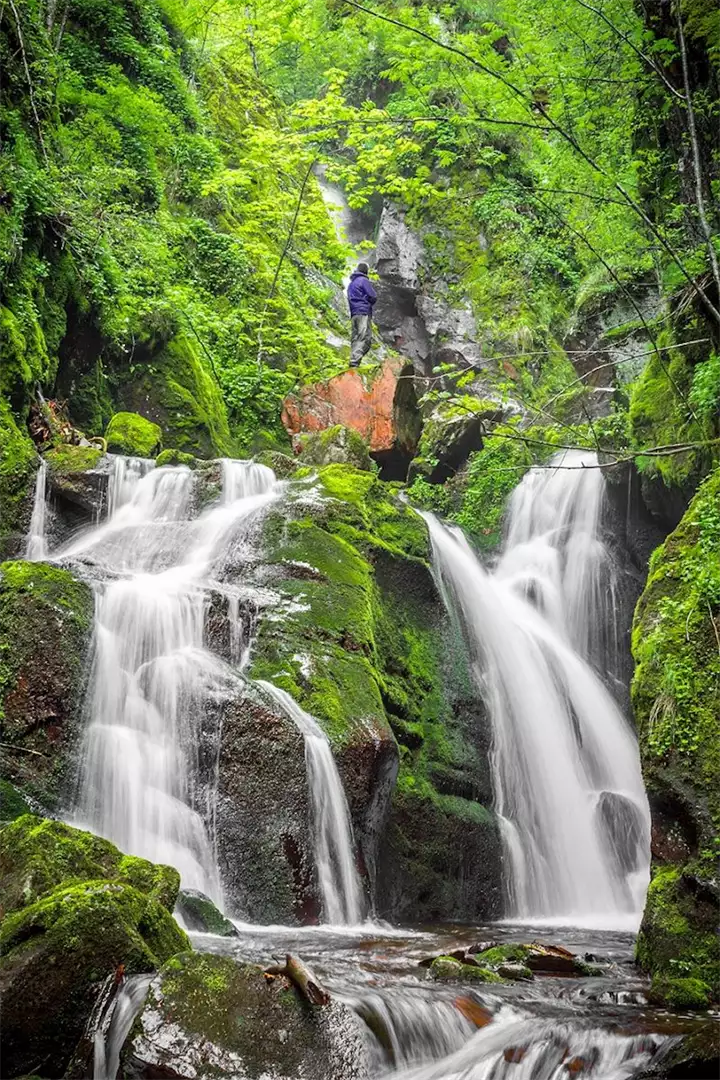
[356, 340]
[366, 334]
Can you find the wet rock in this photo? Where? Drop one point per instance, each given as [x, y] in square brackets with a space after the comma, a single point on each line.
[449, 437]
[207, 1015]
[45, 634]
[263, 813]
[447, 968]
[68, 932]
[200, 915]
[536, 958]
[77, 487]
[337, 445]
[377, 403]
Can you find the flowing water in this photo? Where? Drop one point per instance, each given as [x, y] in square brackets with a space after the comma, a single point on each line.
[36, 546]
[568, 785]
[154, 563]
[568, 788]
[340, 888]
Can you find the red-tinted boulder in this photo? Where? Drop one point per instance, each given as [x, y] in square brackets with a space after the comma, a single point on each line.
[379, 403]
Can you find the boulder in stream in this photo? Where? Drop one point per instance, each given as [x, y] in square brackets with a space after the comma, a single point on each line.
[200, 915]
[207, 1015]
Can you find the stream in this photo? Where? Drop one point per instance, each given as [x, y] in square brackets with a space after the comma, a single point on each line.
[547, 1029]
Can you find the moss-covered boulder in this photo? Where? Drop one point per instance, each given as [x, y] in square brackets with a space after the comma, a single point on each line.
[176, 457]
[200, 915]
[45, 633]
[77, 483]
[177, 390]
[335, 445]
[676, 697]
[131, 434]
[207, 1015]
[360, 638]
[37, 855]
[448, 969]
[77, 911]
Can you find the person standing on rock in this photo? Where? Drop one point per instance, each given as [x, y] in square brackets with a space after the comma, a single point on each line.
[361, 298]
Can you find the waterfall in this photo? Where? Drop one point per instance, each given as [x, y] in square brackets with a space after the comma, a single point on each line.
[340, 888]
[36, 547]
[568, 789]
[153, 564]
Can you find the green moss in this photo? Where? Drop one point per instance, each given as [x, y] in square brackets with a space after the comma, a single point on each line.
[65, 459]
[38, 855]
[18, 463]
[181, 395]
[446, 968]
[676, 685]
[175, 457]
[12, 804]
[336, 445]
[200, 914]
[103, 911]
[681, 993]
[131, 434]
[503, 954]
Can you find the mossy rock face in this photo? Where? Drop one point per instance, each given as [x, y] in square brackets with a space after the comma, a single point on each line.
[131, 434]
[208, 1016]
[45, 633]
[181, 395]
[676, 697]
[37, 855]
[200, 915]
[77, 481]
[12, 803]
[18, 464]
[361, 640]
[76, 910]
[335, 445]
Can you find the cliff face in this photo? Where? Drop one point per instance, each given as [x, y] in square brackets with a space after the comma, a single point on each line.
[676, 696]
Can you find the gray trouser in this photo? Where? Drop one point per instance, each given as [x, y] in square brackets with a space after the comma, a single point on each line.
[360, 337]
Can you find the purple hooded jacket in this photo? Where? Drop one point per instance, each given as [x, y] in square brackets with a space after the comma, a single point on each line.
[361, 295]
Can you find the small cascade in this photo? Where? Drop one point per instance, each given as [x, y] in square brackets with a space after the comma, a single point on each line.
[515, 1047]
[340, 888]
[152, 564]
[568, 788]
[36, 547]
[109, 1038]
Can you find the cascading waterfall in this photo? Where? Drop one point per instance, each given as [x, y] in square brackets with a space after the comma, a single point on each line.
[568, 788]
[151, 674]
[340, 888]
[36, 547]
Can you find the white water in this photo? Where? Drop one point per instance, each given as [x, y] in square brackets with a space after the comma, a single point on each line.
[152, 676]
[107, 1044]
[514, 1047]
[568, 788]
[340, 888]
[36, 547]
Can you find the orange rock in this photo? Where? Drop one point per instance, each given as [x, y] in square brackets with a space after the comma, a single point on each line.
[473, 1011]
[515, 1054]
[375, 405]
